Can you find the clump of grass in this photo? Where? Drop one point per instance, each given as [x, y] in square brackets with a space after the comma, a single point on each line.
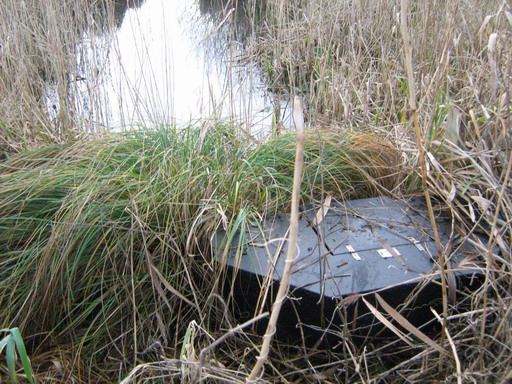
[104, 244]
[13, 343]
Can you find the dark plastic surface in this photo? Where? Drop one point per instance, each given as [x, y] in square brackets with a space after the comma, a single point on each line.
[348, 253]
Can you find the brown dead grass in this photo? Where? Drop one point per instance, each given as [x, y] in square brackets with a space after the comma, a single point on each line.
[347, 58]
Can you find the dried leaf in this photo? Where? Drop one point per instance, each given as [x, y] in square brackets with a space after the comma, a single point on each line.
[388, 324]
[492, 42]
[509, 17]
[408, 326]
[452, 126]
[326, 205]
[453, 192]
[468, 260]
[349, 300]
[484, 24]
[434, 162]
[452, 284]
[503, 246]
[171, 289]
[482, 202]
[471, 212]
[223, 217]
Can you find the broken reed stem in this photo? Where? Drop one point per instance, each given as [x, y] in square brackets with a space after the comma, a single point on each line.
[404, 11]
[292, 244]
[454, 349]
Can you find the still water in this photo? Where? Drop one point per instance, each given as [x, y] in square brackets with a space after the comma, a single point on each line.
[178, 61]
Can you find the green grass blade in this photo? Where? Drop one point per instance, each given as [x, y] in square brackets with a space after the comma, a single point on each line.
[23, 353]
[4, 342]
[11, 358]
[186, 340]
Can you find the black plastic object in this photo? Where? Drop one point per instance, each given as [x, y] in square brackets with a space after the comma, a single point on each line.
[360, 247]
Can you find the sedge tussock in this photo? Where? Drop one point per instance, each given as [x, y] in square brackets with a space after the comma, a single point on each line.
[103, 238]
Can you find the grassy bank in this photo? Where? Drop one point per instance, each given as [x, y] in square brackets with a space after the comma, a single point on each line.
[92, 232]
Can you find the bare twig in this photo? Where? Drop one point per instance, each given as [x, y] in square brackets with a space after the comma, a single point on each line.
[221, 339]
[490, 246]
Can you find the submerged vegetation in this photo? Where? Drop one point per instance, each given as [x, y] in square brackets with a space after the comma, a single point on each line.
[105, 259]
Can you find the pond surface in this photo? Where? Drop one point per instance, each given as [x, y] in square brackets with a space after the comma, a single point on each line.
[171, 61]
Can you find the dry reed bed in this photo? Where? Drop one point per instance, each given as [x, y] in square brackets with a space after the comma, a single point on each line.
[348, 60]
[44, 59]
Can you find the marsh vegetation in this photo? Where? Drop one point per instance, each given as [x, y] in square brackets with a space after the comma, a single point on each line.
[106, 264]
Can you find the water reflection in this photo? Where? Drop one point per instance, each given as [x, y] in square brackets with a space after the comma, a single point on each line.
[245, 15]
[178, 61]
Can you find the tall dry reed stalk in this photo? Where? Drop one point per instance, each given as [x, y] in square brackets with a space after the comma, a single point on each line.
[292, 252]
[404, 28]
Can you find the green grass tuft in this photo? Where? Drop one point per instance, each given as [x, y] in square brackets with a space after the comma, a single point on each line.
[84, 226]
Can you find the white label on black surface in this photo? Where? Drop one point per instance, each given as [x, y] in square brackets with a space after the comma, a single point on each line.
[353, 252]
[416, 243]
[385, 254]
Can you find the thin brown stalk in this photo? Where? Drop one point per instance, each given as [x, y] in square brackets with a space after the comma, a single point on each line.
[490, 246]
[292, 244]
[412, 103]
[454, 350]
